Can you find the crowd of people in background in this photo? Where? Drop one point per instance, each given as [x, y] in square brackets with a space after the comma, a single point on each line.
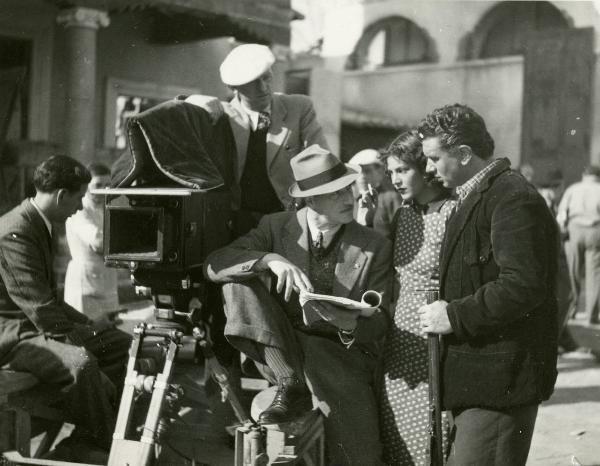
[576, 209]
[435, 209]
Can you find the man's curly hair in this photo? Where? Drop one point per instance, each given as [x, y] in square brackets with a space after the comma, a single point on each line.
[457, 125]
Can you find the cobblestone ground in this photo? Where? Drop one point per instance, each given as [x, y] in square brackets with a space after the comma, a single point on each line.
[567, 430]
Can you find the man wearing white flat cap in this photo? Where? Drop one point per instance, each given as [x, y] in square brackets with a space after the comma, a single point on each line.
[319, 248]
[376, 199]
[269, 129]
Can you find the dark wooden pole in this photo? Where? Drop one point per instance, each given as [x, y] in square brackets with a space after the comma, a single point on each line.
[436, 451]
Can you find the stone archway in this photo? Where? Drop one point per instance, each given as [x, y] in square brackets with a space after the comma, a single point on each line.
[504, 29]
[395, 40]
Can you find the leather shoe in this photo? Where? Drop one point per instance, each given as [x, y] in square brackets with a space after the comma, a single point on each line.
[292, 400]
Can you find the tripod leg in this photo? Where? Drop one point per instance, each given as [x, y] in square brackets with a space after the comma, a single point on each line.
[221, 375]
[158, 396]
[142, 452]
[126, 406]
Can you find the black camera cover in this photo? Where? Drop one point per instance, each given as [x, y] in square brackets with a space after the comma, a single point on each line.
[175, 144]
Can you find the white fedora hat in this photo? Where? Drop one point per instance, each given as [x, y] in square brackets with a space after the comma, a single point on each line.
[245, 63]
[317, 171]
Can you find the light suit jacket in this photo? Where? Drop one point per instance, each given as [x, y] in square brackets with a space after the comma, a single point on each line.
[363, 263]
[28, 300]
[293, 127]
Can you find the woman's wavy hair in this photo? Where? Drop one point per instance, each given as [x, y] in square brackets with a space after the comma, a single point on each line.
[408, 148]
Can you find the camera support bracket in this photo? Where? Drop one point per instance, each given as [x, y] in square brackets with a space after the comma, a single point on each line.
[142, 452]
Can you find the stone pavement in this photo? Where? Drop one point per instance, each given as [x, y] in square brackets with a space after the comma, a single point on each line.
[207, 442]
[567, 431]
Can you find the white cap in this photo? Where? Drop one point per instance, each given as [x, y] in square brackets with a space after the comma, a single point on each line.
[245, 63]
[366, 157]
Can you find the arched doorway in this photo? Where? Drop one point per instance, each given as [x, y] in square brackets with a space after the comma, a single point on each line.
[504, 29]
[557, 84]
[391, 41]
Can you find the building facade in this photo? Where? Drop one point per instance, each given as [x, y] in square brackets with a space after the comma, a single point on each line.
[82, 66]
[530, 68]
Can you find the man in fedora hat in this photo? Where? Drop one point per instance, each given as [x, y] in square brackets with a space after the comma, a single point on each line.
[319, 248]
[269, 129]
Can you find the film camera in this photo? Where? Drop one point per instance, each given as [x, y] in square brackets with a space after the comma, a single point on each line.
[162, 235]
[171, 206]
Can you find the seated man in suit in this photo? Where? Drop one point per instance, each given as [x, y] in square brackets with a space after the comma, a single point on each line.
[269, 129]
[320, 248]
[44, 336]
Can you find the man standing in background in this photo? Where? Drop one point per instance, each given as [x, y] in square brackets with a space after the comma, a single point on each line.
[90, 286]
[374, 186]
[269, 129]
[579, 219]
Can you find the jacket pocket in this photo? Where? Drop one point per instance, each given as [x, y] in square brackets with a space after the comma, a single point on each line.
[481, 264]
[488, 380]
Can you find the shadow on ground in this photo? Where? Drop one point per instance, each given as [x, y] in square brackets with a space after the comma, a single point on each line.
[574, 395]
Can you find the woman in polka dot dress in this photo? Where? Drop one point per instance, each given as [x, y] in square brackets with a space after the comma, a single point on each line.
[418, 233]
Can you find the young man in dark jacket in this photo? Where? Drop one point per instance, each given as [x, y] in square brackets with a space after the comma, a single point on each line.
[41, 334]
[497, 312]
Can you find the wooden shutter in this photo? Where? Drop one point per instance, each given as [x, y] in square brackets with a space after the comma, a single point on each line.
[557, 101]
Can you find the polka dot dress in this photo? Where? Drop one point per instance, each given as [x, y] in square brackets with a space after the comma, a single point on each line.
[405, 396]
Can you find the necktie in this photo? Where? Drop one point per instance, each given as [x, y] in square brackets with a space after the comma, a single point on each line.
[318, 244]
[264, 121]
[50, 240]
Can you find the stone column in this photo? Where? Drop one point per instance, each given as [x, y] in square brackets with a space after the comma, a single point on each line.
[81, 25]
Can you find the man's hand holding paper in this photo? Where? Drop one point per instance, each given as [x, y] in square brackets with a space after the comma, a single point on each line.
[342, 318]
[338, 311]
[289, 276]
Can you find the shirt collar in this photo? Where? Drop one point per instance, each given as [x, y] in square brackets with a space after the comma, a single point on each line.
[470, 185]
[433, 206]
[253, 114]
[314, 229]
[437, 204]
[44, 218]
[590, 179]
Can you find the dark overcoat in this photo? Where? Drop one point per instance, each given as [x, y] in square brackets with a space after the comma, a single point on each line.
[497, 271]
